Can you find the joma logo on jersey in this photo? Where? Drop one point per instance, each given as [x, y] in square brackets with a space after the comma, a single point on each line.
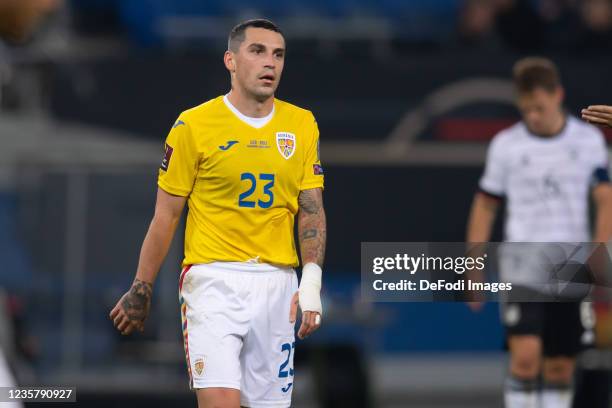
[229, 144]
[285, 142]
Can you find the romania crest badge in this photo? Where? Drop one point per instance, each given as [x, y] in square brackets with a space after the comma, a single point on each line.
[285, 142]
[199, 366]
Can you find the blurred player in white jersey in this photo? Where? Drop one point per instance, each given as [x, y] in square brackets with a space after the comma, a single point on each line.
[545, 167]
[6, 345]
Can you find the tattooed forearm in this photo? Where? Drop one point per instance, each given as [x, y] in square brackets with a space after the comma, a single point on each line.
[312, 229]
[311, 201]
[137, 302]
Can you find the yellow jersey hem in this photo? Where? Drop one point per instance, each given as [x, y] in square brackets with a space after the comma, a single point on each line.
[208, 262]
[308, 186]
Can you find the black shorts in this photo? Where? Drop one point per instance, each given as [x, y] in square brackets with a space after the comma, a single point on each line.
[566, 328]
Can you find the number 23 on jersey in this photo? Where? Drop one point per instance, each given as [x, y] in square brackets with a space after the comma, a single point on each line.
[259, 187]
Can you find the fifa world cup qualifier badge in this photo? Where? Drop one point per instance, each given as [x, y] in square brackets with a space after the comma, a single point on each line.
[167, 155]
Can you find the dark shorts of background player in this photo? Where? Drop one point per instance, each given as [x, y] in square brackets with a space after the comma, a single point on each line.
[560, 325]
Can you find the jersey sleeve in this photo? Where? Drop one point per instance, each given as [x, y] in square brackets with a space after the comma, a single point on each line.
[313, 171]
[179, 166]
[494, 179]
[599, 154]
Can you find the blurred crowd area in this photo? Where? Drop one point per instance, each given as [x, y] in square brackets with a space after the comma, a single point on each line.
[573, 26]
[523, 25]
[576, 26]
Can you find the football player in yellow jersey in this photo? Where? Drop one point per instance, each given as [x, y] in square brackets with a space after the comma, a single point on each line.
[246, 164]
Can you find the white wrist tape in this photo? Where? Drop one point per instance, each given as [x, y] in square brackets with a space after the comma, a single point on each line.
[310, 288]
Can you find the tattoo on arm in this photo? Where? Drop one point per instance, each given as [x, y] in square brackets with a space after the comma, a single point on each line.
[311, 201]
[308, 234]
[312, 228]
[138, 301]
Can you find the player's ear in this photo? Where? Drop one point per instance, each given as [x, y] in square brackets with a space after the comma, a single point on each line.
[561, 94]
[230, 63]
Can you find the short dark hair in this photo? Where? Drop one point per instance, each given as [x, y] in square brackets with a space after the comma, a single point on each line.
[237, 35]
[536, 72]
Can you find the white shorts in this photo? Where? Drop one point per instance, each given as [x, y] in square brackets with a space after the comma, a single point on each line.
[236, 329]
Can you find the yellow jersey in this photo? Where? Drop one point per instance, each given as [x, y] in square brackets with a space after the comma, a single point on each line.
[242, 182]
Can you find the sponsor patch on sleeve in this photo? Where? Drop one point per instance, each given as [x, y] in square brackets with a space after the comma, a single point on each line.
[317, 169]
[167, 155]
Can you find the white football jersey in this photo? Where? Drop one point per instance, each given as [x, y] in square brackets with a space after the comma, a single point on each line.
[546, 180]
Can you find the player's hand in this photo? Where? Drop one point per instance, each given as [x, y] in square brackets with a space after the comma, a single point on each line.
[600, 265]
[598, 114]
[475, 301]
[311, 321]
[133, 308]
[475, 306]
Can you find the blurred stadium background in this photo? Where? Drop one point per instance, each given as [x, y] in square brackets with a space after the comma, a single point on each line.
[406, 92]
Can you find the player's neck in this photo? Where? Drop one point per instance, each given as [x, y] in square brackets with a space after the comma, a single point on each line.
[556, 126]
[249, 106]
